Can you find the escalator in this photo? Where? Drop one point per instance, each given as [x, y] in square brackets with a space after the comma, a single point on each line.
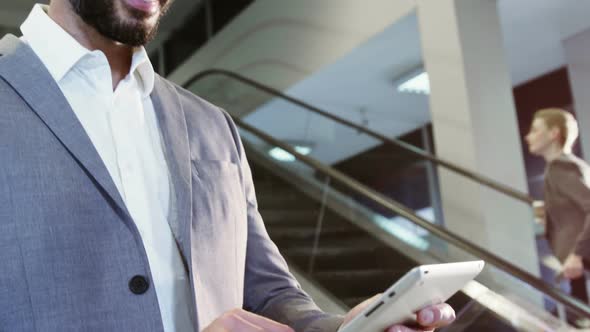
[347, 262]
[352, 241]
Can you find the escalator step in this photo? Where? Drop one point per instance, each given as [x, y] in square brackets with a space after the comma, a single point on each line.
[329, 240]
[295, 217]
[338, 258]
[357, 283]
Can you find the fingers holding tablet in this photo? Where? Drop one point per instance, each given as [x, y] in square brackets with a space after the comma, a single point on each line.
[429, 318]
[436, 316]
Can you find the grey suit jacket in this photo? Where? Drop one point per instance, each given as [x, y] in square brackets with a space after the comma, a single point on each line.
[68, 246]
[567, 203]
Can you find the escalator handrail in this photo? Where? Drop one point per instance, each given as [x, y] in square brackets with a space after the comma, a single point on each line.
[358, 188]
[482, 179]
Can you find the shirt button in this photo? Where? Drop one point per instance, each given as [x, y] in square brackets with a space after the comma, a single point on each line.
[138, 285]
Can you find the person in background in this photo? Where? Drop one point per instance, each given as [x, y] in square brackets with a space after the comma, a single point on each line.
[566, 207]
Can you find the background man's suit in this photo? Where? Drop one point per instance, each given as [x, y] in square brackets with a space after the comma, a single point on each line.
[68, 247]
[567, 201]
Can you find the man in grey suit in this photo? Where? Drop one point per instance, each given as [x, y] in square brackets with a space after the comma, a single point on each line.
[126, 202]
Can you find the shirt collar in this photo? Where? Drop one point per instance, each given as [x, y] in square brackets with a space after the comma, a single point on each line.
[43, 35]
[144, 71]
[58, 51]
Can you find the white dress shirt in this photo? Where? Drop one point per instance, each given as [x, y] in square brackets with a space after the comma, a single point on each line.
[123, 127]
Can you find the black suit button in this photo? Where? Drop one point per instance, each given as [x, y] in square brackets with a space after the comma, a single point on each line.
[138, 285]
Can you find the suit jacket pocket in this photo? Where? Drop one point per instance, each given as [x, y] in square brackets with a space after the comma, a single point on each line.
[217, 192]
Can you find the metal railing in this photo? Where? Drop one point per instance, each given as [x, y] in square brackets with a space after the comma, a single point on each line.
[558, 295]
[392, 206]
[479, 178]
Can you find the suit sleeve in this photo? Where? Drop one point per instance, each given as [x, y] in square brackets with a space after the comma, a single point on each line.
[571, 183]
[269, 288]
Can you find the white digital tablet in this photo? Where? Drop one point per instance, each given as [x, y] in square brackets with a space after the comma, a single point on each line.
[421, 287]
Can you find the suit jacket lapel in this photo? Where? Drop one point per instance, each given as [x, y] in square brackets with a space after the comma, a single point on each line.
[23, 70]
[173, 127]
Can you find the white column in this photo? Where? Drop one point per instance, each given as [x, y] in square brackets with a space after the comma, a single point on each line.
[577, 51]
[475, 126]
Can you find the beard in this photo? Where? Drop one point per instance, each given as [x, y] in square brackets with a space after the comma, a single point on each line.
[134, 30]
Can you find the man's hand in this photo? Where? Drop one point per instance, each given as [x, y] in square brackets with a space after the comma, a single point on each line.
[429, 318]
[573, 268]
[239, 320]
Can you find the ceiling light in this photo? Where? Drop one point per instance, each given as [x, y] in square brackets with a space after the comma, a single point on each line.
[304, 150]
[284, 156]
[416, 82]
[281, 155]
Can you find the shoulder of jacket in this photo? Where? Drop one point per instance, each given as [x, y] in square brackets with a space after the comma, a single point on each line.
[188, 99]
[9, 44]
[563, 165]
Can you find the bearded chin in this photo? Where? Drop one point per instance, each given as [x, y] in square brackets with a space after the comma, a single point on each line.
[103, 17]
